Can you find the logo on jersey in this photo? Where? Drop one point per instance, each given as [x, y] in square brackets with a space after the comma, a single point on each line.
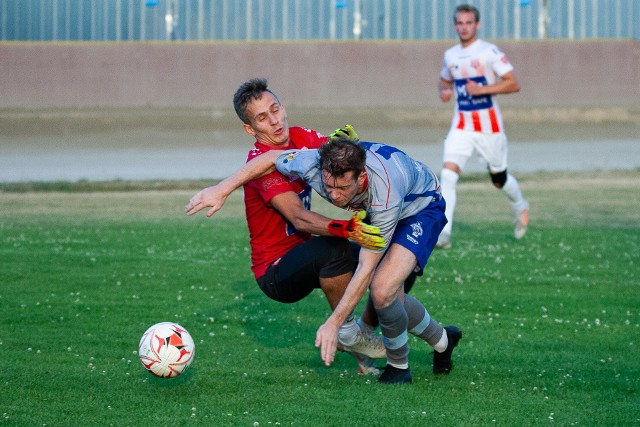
[289, 157]
[468, 102]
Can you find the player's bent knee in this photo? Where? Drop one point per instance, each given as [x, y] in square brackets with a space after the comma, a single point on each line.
[498, 179]
[382, 296]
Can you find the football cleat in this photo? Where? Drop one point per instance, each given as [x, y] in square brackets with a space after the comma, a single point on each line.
[521, 222]
[366, 365]
[368, 345]
[393, 375]
[444, 241]
[442, 363]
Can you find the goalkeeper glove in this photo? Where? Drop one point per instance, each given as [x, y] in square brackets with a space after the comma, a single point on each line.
[346, 132]
[363, 234]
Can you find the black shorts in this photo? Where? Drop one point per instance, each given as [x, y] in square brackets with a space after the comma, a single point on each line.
[299, 272]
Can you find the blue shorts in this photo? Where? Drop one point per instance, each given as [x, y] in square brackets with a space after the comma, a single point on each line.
[419, 233]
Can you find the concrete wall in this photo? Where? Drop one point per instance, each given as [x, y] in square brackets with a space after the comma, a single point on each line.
[315, 74]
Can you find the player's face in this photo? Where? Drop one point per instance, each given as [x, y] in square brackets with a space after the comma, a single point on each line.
[343, 189]
[467, 27]
[267, 120]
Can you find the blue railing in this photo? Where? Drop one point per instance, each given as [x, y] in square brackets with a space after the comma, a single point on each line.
[118, 20]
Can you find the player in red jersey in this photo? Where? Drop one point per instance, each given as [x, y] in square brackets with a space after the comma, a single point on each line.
[471, 70]
[290, 255]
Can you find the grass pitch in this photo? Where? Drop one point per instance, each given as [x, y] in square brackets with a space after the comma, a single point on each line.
[551, 323]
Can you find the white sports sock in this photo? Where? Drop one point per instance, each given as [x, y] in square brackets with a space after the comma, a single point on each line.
[448, 182]
[399, 365]
[514, 194]
[443, 343]
[348, 332]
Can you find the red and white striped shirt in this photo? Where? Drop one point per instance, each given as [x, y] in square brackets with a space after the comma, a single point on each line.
[481, 62]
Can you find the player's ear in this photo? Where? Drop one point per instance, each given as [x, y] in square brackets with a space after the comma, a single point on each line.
[362, 179]
[248, 129]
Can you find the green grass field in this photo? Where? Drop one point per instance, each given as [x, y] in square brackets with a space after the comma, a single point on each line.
[551, 323]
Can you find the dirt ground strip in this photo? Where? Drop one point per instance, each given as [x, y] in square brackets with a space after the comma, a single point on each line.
[142, 144]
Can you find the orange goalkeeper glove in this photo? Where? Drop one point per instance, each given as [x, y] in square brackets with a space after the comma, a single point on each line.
[363, 234]
[346, 132]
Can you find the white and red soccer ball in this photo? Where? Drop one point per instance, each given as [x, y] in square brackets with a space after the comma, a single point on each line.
[166, 350]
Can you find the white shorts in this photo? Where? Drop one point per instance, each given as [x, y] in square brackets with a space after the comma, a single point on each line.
[491, 147]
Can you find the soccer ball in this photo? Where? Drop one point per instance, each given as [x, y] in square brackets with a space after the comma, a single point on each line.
[166, 350]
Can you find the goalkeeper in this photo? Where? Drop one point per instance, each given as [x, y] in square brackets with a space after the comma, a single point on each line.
[290, 254]
[402, 198]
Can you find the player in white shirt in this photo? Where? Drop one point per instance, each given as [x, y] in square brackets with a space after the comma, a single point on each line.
[477, 70]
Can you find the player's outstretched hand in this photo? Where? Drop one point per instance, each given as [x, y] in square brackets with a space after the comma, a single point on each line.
[211, 197]
[363, 234]
[327, 342]
[346, 132]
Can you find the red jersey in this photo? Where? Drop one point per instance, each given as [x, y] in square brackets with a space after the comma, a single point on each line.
[270, 234]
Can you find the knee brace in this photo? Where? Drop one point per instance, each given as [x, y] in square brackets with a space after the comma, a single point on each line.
[498, 179]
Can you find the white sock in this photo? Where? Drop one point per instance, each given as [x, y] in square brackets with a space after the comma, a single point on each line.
[348, 332]
[399, 365]
[443, 343]
[448, 182]
[514, 194]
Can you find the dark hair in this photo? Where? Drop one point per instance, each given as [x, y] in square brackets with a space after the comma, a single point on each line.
[342, 155]
[249, 90]
[467, 8]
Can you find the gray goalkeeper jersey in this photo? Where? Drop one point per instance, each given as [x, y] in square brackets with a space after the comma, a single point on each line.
[399, 187]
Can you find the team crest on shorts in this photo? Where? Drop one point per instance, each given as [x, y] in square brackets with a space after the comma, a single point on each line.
[417, 229]
[417, 232]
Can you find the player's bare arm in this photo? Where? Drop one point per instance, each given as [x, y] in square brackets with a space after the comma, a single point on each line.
[215, 196]
[291, 207]
[327, 335]
[445, 88]
[507, 84]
